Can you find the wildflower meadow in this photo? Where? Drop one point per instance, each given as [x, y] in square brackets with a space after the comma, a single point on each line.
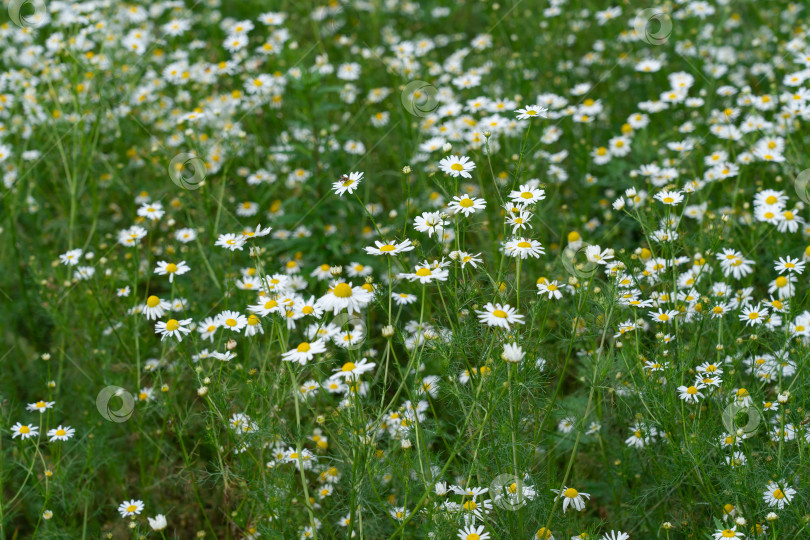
[392, 269]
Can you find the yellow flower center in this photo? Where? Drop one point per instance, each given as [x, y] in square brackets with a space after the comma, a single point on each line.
[470, 505]
[457, 167]
[303, 347]
[172, 325]
[131, 508]
[422, 272]
[524, 244]
[152, 301]
[501, 314]
[781, 281]
[570, 493]
[778, 494]
[25, 430]
[466, 203]
[231, 322]
[348, 366]
[388, 247]
[691, 390]
[342, 290]
[61, 432]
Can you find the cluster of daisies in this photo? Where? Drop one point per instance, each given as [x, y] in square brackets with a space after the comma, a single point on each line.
[498, 185]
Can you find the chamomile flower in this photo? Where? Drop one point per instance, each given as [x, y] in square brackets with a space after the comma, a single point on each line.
[663, 316]
[155, 307]
[426, 272]
[524, 248]
[466, 258]
[788, 264]
[130, 508]
[457, 166]
[499, 316]
[389, 247]
[722, 534]
[40, 406]
[552, 289]
[231, 320]
[347, 183]
[173, 328]
[753, 315]
[778, 494]
[532, 111]
[572, 497]
[152, 211]
[512, 353]
[350, 370]
[304, 352]
[471, 532]
[342, 295]
[24, 431]
[466, 205]
[71, 258]
[615, 535]
[669, 198]
[430, 222]
[691, 394]
[526, 194]
[157, 523]
[61, 433]
[171, 269]
[231, 241]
